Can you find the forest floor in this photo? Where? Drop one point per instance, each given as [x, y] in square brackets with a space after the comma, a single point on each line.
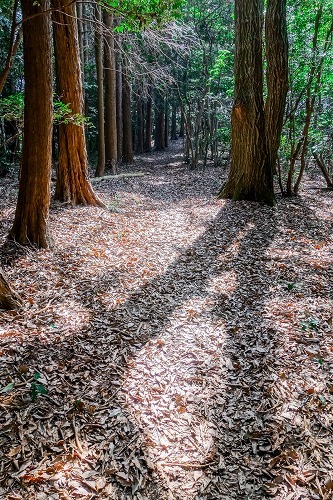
[171, 345]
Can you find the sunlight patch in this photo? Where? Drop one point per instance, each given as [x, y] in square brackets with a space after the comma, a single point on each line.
[167, 393]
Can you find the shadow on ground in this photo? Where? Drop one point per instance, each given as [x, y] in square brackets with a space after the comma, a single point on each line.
[228, 387]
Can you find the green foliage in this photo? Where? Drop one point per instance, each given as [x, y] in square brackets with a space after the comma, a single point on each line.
[311, 324]
[37, 388]
[137, 15]
[62, 114]
[11, 107]
[304, 62]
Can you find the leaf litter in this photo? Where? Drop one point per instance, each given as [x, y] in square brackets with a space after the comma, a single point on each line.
[171, 346]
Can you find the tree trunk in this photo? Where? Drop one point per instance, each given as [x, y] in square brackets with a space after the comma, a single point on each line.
[119, 109]
[14, 42]
[182, 123]
[127, 122]
[148, 123]
[166, 124]
[73, 184]
[323, 169]
[111, 152]
[139, 124]
[277, 75]
[32, 210]
[8, 298]
[159, 122]
[174, 122]
[100, 169]
[250, 176]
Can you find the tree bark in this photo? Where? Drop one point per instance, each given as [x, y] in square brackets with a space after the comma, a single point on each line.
[32, 210]
[119, 109]
[127, 123]
[100, 169]
[159, 122]
[148, 123]
[73, 184]
[174, 122]
[9, 299]
[277, 75]
[111, 152]
[250, 176]
[139, 123]
[323, 169]
[166, 124]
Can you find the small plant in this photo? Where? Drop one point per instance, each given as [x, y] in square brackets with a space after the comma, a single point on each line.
[79, 405]
[311, 324]
[37, 387]
[291, 286]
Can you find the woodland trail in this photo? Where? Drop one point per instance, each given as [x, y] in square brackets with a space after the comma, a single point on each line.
[185, 344]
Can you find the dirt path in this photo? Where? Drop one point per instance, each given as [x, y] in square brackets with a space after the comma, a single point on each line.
[185, 344]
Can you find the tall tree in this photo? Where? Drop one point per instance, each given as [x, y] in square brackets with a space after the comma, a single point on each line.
[14, 42]
[159, 136]
[73, 184]
[255, 131]
[250, 176]
[111, 152]
[148, 122]
[127, 154]
[277, 74]
[31, 216]
[119, 106]
[100, 94]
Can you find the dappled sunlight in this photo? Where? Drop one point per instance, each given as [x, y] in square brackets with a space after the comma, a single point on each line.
[169, 385]
[184, 343]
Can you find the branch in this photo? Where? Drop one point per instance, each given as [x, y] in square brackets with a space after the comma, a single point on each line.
[14, 43]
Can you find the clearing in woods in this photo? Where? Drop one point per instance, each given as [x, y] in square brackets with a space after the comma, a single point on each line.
[171, 345]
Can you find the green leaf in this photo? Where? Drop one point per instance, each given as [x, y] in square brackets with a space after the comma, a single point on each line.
[8, 388]
[37, 389]
[322, 399]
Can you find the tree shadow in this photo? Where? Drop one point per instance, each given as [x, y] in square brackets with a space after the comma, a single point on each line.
[217, 433]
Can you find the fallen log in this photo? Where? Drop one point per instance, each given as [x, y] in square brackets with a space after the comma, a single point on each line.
[118, 176]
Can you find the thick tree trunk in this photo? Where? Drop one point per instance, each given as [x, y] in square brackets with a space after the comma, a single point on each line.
[127, 122]
[8, 298]
[111, 152]
[100, 169]
[32, 210]
[250, 176]
[73, 184]
[277, 75]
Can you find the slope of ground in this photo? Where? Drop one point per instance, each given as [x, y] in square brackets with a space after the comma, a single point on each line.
[171, 346]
